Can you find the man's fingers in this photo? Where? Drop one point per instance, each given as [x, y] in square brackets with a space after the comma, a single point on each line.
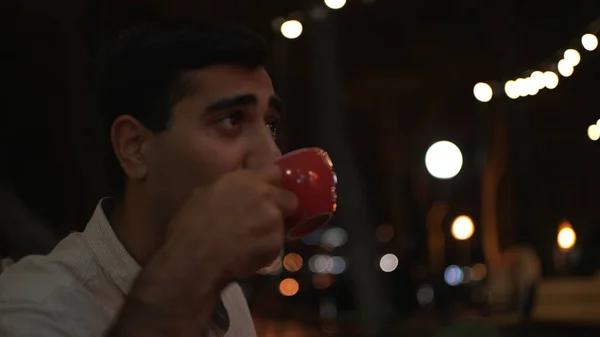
[285, 200]
[271, 174]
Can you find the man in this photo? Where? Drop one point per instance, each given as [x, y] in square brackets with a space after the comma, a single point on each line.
[193, 116]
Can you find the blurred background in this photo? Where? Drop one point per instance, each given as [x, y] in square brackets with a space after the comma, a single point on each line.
[462, 132]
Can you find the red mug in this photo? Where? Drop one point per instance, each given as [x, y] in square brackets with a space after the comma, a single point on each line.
[309, 174]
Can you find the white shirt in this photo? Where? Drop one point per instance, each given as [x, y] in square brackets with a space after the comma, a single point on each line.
[78, 289]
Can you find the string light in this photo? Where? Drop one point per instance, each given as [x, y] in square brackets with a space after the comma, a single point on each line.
[483, 92]
[572, 56]
[537, 77]
[550, 80]
[593, 132]
[291, 29]
[335, 4]
[545, 76]
[565, 68]
[511, 89]
[531, 87]
[522, 87]
[589, 42]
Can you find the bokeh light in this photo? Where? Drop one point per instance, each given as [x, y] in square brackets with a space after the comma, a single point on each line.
[511, 89]
[483, 92]
[462, 228]
[318, 263]
[550, 80]
[291, 29]
[336, 265]
[322, 281]
[593, 132]
[443, 160]
[334, 237]
[565, 68]
[388, 263]
[453, 275]
[537, 78]
[292, 262]
[521, 87]
[566, 238]
[289, 287]
[335, 4]
[589, 42]
[572, 56]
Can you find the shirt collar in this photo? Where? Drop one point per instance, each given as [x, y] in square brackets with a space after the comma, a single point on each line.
[110, 253]
[120, 266]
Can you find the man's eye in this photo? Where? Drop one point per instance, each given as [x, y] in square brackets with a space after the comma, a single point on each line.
[273, 128]
[233, 119]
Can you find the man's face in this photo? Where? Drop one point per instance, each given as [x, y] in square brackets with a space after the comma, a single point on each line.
[226, 124]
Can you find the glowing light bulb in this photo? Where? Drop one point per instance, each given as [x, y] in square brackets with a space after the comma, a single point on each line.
[593, 132]
[462, 228]
[566, 238]
[572, 56]
[335, 4]
[443, 160]
[565, 68]
[550, 80]
[291, 29]
[511, 89]
[589, 42]
[483, 92]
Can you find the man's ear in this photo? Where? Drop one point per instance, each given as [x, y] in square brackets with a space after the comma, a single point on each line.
[129, 137]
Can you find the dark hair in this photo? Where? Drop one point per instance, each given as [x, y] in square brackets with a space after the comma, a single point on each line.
[144, 76]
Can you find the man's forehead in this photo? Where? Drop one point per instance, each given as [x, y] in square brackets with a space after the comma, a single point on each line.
[229, 79]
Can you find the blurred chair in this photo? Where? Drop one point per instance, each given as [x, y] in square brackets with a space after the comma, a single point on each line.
[573, 300]
[511, 283]
[468, 329]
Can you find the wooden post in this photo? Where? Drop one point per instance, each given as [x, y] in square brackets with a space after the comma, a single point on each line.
[493, 170]
[352, 206]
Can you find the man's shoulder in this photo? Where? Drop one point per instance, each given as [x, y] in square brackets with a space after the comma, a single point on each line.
[35, 278]
[45, 296]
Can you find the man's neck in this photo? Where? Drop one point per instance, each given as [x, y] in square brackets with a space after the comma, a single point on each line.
[131, 219]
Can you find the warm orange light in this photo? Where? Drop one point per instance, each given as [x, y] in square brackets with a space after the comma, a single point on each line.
[462, 228]
[566, 236]
[322, 281]
[289, 287]
[292, 262]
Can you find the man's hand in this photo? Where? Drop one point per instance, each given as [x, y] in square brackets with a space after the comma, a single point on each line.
[235, 225]
[224, 232]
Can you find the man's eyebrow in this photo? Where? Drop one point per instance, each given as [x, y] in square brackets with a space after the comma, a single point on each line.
[277, 103]
[245, 99]
[230, 102]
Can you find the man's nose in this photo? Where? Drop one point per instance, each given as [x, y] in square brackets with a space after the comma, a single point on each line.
[263, 150]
